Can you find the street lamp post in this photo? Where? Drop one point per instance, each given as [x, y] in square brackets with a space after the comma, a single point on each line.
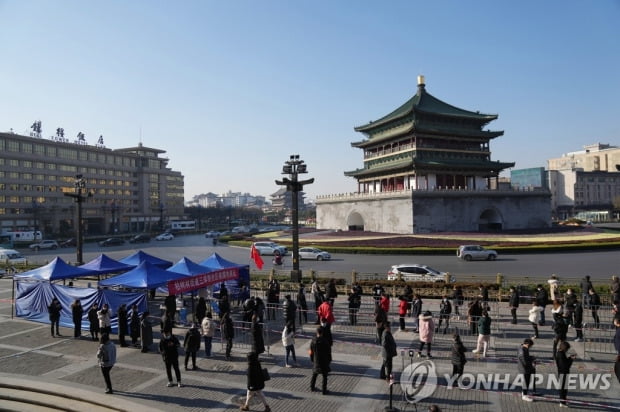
[294, 167]
[161, 216]
[78, 197]
[114, 208]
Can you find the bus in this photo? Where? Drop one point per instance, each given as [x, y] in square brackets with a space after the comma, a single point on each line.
[24, 237]
[180, 225]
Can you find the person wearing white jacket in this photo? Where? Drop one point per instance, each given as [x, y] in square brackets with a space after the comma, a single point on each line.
[288, 341]
[534, 318]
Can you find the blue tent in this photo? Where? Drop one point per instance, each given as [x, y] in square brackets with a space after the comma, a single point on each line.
[187, 267]
[103, 264]
[55, 270]
[236, 291]
[145, 276]
[141, 256]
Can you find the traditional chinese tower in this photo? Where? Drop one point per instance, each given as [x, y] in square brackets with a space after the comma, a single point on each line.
[427, 144]
[427, 168]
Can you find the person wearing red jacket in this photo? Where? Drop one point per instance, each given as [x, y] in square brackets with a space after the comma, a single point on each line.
[403, 305]
[385, 303]
[325, 312]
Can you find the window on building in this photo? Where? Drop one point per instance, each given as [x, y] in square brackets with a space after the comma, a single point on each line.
[27, 164]
[27, 147]
[12, 146]
[39, 149]
[50, 151]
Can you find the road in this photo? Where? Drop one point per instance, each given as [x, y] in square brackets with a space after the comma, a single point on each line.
[599, 265]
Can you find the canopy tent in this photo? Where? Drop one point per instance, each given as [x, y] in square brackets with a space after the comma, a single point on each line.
[55, 270]
[146, 276]
[103, 264]
[190, 268]
[140, 256]
[239, 289]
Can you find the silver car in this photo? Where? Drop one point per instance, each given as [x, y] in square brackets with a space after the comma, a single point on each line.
[475, 252]
[313, 253]
[417, 273]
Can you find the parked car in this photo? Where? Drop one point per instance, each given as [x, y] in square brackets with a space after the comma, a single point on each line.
[71, 242]
[112, 241]
[417, 273]
[475, 252]
[270, 248]
[164, 236]
[313, 253]
[44, 244]
[11, 256]
[141, 238]
[212, 233]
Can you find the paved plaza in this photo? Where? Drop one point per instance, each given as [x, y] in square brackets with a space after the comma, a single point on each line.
[66, 369]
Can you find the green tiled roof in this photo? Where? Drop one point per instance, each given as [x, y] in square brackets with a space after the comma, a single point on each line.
[390, 167]
[426, 103]
[461, 164]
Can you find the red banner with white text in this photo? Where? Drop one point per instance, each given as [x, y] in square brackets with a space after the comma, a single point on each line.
[186, 284]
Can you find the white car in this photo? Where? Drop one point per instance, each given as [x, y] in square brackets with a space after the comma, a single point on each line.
[11, 256]
[417, 273]
[44, 244]
[164, 236]
[270, 248]
[313, 253]
[475, 252]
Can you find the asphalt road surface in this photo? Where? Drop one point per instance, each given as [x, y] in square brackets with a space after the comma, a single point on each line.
[599, 265]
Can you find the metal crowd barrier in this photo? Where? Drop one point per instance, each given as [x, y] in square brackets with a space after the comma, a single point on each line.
[599, 340]
[243, 336]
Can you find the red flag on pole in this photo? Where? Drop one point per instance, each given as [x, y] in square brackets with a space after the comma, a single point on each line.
[255, 256]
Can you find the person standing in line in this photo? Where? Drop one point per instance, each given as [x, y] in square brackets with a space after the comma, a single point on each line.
[554, 288]
[427, 327]
[54, 309]
[355, 301]
[570, 300]
[458, 358]
[403, 307]
[385, 303]
[617, 347]
[388, 351]
[256, 382]
[169, 350]
[473, 315]
[615, 289]
[563, 363]
[290, 310]
[416, 311]
[377, 292]
[542, 298]
[585, 285]
[273, 299]
[302, 303]
[578, 319]
[318, 298]
[201, 310]
[103, 315]
[458, 298]
[146, 332]
[106, 354]
[326, 311]
[513, 302]
[380, 321]
[288, 341]
[321, 357]
[534, 318]
[595, 304]
[122, 325]
[256, 330]
[331, 292]
[445, 309]
[484, 296]
[228, 333]
[327, 331]
[93, 319]
[208, 331]
[77, 312]
[526, 367]
[134, 325]
[191, 345]
[484, 334]
[560, 329]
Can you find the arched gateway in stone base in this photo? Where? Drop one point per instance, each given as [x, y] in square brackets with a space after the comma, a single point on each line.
[427, 168]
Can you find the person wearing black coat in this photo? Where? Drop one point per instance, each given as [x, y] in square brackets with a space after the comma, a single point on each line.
[191, 345]
[458, 297]
[228, 333]
[526, 366]
[54, 310]
[458, 358]
[445, 309]
[169, 349]
[513, 302]
[563, 363]
[617, 347]
[355, 301]
[578, 321]
[201, 310]
[122, 325]
[560, 329]
[302, 303]
[256, 329]
[542, 298]
[290, 310]
[331, 293]
[585, 286]
[134, 325]
[388, 351]
[416, 311]
[256, 382]
[380, 320]
[76, 312]
[94, 322]
[595, 304]
[321, 357]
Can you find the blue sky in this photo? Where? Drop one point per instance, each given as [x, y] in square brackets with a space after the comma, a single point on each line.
[230, 89]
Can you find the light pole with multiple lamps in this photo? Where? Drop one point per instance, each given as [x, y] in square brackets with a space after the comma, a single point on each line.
[79, 198]
[294, 167]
